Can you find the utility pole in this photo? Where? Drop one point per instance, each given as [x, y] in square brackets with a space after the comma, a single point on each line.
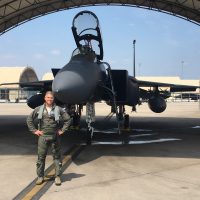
[134, 41]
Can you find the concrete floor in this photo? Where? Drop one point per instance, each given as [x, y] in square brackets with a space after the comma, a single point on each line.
[161, 161]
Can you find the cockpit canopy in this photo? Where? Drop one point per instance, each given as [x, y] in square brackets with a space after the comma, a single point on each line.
[86, 31]
[87, 52]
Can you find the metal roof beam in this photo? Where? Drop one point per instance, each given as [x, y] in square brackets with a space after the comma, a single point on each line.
[14, 13]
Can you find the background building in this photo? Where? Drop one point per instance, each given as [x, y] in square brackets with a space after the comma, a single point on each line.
[14, 93]
[48, 76]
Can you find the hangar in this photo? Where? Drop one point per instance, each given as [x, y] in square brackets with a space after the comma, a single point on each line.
[13, 92]
[16, 12]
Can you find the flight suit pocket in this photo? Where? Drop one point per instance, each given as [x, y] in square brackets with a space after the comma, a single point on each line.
[50, 138]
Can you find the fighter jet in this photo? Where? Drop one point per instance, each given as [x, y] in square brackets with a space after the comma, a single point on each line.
[87, 79]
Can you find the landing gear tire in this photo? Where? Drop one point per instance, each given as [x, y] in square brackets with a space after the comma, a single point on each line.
[126, 122]
[88, 137]
[125, 138]
[125, 132]
[120, 116]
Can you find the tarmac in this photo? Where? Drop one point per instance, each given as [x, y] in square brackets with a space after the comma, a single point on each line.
[158, 160]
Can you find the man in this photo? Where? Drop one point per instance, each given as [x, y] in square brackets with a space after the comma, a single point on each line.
[48, 128]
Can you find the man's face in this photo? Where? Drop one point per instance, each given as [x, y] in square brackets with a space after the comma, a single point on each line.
[49, 99]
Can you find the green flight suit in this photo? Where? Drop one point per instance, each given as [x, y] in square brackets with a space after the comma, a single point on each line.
[50, 137]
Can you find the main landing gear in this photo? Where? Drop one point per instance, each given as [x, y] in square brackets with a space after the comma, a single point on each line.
[124, 124]
[123, 119]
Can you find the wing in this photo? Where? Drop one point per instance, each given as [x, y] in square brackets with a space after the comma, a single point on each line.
[173, 87]
[35, 85]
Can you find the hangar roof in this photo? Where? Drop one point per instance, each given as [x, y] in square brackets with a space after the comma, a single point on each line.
[16, 12]
[17, 74]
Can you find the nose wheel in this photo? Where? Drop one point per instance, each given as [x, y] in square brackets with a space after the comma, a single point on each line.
[90, 118]
[75, 112]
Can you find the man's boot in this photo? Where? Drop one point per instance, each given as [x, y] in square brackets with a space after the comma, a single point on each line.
[57, 180]
[39, 180]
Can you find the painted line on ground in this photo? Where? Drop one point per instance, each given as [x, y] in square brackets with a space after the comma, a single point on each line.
[33, 191]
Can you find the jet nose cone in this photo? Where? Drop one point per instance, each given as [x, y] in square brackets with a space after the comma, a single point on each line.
[76, 82]
[68, 86]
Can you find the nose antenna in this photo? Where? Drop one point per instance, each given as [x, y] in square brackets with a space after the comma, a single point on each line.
[86, 32]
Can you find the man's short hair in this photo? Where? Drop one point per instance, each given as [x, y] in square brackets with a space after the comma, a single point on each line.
[49, 92]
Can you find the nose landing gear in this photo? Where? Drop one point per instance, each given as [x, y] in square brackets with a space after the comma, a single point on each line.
[90, 118]
[75, 112]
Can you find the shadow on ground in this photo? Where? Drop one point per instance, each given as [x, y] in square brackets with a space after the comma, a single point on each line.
[15, 138]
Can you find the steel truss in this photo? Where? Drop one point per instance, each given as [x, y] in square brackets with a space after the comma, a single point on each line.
[16, 12]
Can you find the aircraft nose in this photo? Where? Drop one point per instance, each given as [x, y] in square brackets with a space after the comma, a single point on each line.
[75, 86]
[69, 87]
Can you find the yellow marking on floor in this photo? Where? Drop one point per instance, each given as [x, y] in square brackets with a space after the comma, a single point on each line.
[37, 188]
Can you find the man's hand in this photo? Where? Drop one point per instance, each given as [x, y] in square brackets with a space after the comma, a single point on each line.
[38, 133]
[60, 132]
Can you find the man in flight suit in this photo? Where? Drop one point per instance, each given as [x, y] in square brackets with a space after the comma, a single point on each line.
[48, 129]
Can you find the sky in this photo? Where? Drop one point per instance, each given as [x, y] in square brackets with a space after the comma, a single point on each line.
[164, 44]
